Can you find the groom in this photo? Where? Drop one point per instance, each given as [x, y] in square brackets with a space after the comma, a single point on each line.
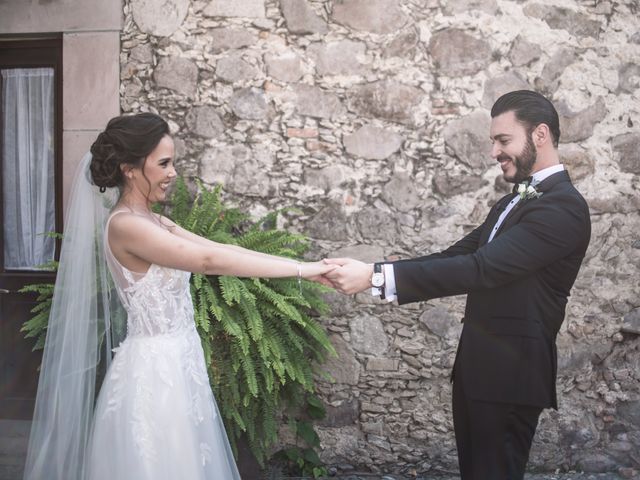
[517, 270]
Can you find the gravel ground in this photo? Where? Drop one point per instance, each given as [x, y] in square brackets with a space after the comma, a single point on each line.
[634, 475]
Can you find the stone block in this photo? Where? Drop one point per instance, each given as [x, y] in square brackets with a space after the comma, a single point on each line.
[523, 52]
[402, 45]
[364, 253]
[301, 18]
[204, 121]
[346, 413]
[330, 223]
[629, 77]
[632, 325]
[286, 66]
[554, 68]
[315, 102]
[368, 336]
[234, 68]
[560, 18]
[142, 53]
[178, 74]
[440, 322]
[327, 178]
[453, 7]
[467, 139]
[91, 76]
[380, 364]
[344, 57]
[238, 169]
[229, 38]
[385, 99]
[455, 52]
[159, 17]
[577, 161]
[236, 8]
[577, 126]
[372, 143]
[375, 16]
[495, 87]
[401, 192]
[249, 104]
[375, 225]
[345, 368]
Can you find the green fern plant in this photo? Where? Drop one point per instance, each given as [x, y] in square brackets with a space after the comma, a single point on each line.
[261, 341]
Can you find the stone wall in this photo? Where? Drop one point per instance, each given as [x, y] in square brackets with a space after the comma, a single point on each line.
[371, 117]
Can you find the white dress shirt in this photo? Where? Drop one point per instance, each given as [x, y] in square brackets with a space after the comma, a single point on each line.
[389, 275]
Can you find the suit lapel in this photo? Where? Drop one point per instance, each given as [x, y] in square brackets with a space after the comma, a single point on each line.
[546, 185]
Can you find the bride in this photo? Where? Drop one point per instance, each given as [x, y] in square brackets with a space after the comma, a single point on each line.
[155, 416]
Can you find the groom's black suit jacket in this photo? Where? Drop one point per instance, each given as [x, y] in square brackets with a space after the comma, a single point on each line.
[517, 287]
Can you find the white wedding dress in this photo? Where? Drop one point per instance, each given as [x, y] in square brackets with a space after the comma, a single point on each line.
[156, 417]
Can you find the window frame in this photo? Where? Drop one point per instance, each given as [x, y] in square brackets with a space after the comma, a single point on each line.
[36, 52]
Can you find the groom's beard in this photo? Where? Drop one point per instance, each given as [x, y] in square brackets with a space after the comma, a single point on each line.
[523, 162]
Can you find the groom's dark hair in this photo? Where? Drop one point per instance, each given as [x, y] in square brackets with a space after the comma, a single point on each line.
[531, 109]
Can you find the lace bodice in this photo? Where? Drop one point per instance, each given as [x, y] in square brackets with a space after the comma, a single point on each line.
[157, 302]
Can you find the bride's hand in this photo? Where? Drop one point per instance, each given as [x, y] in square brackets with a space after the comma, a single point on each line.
[315, 271]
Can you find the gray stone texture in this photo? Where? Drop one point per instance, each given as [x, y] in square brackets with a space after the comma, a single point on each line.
[205, 122]
[629, 75]
[556, 65]
[495, 87]
[285, 66]
[229, 38]
[401, 193]
[368, 336]
[626, 147]
[343, 57]
[237, 168]
[236, 8]
[345, 368]
[523, 52]
[178, 74]
[375, 16]
[577, 161]
[449, 185]
[330, 223]
[318, 103]
[249, 104]
[234, 68]
[561, 18]
[456, 52]
[402, 45]
[159, 17]
[372, 143]
[420, 75]
[301, 18]
[467, 137]
[576, 126]
[388, 100]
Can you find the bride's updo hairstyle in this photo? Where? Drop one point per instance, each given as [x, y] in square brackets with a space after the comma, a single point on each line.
[128, 140]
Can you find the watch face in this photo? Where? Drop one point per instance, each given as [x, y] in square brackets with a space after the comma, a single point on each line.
[377, 280]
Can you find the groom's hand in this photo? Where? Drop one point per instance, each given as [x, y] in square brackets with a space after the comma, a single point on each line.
[352, 276]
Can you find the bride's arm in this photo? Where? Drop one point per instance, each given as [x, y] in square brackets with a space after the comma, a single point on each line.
[186, 234]
[148, 241]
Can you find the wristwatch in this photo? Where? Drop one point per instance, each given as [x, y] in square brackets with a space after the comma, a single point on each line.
[377, 279]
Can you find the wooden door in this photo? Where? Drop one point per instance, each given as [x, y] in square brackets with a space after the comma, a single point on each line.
[19, 170]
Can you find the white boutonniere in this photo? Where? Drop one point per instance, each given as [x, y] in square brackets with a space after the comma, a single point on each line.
[527, 192]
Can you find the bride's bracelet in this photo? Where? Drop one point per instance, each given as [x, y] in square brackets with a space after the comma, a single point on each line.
[299, 277]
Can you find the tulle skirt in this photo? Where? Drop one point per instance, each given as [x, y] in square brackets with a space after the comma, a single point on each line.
[156, 417]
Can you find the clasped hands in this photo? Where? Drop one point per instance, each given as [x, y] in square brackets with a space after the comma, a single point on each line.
[348, 276]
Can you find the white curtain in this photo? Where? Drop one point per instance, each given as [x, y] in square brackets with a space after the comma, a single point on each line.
[28, 164]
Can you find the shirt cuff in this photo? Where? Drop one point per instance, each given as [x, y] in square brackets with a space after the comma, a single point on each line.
[390, 292]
